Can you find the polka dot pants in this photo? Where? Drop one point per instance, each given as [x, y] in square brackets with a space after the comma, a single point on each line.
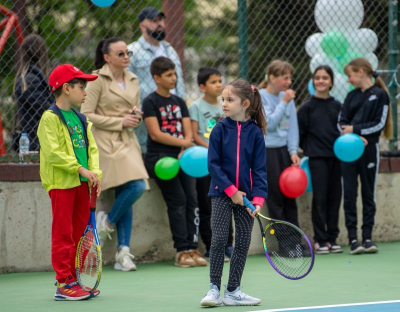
[222, 209]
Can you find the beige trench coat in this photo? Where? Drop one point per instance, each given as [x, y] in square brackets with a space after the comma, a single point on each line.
[105, 105]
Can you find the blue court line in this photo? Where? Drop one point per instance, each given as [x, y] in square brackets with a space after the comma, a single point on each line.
[381, 306]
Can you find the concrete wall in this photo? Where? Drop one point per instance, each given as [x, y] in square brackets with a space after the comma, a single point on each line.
[25, 224]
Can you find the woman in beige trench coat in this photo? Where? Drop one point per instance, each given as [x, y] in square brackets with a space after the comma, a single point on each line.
[112, 105]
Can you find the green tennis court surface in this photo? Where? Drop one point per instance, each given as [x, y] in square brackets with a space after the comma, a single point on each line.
[336, 281]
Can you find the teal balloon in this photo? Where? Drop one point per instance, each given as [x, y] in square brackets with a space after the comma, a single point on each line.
[347, 58]
[194, 161]
[166, 168]
[348, 147]
[310, 87]
[304, 164]
[334, 44]
[103, 3]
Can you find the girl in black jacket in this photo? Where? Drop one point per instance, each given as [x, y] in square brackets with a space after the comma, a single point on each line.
[366, 111]
[318, 131]
[31, 88]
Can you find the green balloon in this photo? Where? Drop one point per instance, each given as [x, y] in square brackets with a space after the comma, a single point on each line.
[347, 58]
[334, 44]
[166, 168]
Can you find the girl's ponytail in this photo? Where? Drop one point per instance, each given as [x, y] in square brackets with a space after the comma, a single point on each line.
[99, 60]
[256, 111]
[388, 129]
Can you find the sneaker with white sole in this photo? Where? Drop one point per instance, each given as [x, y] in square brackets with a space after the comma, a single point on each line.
[239, 298]
[335, 248]
[71, 291]
[370, 246]
[103, 230]
[212, 298]
[124, 261]
[356, 248]
[321, 249]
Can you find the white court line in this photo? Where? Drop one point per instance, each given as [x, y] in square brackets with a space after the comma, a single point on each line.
[331, 306]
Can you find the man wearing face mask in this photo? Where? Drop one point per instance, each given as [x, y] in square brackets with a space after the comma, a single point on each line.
[148, 47]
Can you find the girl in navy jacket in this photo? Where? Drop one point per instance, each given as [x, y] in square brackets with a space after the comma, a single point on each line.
[366, 111]
[237, 165]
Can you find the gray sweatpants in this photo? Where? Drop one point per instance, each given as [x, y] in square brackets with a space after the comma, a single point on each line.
[222, 209]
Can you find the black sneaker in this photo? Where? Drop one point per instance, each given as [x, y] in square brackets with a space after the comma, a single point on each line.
[370, 246]
[207, 255]
[356, 248]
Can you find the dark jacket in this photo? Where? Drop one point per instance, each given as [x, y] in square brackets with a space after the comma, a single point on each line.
[366, 111]
[32, 103]
[318, 126]
[237, 159]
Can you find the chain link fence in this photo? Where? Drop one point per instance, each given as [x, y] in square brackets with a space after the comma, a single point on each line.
[215, 33]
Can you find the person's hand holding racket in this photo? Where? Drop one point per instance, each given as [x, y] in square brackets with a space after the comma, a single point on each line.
[254, 213]
[237, 198]
[93, 179]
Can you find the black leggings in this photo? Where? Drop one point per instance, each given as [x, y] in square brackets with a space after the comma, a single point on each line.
[222, 209]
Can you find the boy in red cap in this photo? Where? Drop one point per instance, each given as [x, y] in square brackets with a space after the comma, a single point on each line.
[69, 163]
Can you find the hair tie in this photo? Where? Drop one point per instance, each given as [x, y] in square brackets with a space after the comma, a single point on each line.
[266, 78]
[375, 74]
[253, 88]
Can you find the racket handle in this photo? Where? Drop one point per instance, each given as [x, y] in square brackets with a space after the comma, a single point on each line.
[93, 197]
[248, 203]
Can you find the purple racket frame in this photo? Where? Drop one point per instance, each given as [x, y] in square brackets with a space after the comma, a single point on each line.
[252, 208]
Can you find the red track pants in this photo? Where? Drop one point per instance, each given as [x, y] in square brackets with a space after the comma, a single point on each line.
[71, 213]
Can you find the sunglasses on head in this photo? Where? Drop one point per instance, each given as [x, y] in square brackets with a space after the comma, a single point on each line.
[122, 53]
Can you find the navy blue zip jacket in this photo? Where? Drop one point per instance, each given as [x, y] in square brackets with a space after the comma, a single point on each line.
[366, 111]
[237, 160]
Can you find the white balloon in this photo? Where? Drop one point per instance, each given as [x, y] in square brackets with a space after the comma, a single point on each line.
[313, 44]
[323, 59]
[340, 88]
[339, 15]
[363, 40]
[373, 59]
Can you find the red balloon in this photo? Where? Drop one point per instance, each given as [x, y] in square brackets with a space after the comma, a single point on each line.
[293, 182]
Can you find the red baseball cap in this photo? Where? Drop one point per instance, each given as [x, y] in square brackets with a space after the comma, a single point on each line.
[64, 73]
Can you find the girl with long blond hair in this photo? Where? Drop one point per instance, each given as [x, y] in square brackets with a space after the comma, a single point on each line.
[366, 111]
[282, 140]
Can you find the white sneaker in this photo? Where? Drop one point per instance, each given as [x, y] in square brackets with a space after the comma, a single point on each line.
[124, 260]
[239, 298]
[212, 298]
[102, 229]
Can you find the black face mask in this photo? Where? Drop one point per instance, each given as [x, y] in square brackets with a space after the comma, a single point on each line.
[158, 35]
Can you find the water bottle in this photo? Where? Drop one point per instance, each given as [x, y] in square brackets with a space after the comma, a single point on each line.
[23, 147]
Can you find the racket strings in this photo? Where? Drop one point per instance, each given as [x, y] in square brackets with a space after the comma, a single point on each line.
[288, 250]
[89, 262]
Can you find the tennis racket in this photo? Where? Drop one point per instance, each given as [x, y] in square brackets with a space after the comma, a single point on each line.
[286, 247]
[88, 260]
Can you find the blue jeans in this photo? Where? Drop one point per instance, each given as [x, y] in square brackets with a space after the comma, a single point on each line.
[121, 214]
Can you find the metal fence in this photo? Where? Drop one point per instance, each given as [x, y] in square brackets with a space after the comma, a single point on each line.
[238, 37]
